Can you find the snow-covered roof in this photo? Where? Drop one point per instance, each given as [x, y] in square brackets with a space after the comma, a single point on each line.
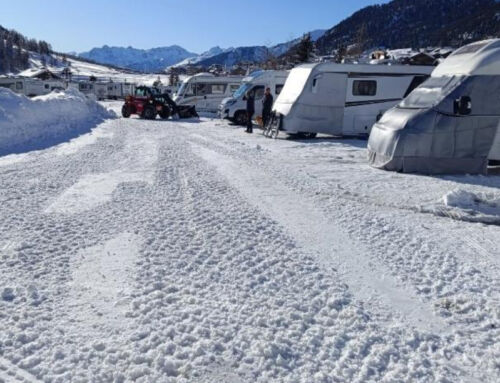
[479, 58]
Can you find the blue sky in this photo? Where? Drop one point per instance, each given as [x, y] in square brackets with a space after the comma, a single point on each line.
[196, 25]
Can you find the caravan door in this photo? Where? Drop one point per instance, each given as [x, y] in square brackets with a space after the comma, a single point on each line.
[329, 95]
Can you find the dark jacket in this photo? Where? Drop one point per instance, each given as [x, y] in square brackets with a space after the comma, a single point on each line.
[267, 104]
[250, 104]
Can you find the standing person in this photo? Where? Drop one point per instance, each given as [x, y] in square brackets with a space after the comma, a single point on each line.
[267, 105]
[250, 110]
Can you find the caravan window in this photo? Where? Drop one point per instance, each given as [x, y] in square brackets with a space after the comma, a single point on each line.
[203, 89]
[278, 89]
[259, 92]
[19, 85]
[364, 88]
[190, 90]
[218, 88]
[315, 84]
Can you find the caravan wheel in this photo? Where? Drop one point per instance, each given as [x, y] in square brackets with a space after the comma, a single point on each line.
[304, 135]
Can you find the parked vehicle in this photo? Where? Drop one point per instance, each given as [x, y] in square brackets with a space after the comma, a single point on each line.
[115, 90]
[149, 103]
[342, 99]
[234, 108]
[128, 89]
[450, 123]
[206, 91]
[100, 90]
[86, 87]
[31, 87]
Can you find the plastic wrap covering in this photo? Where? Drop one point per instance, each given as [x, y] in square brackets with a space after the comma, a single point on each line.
[424, 134]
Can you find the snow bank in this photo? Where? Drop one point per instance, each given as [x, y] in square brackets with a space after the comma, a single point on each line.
[29, 124]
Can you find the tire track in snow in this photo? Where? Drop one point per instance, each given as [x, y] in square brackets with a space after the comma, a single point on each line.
[10, 373]
[368, 281]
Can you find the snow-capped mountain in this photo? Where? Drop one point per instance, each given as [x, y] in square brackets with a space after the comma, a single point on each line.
[231, 56]
[145, 60]
[205, 55]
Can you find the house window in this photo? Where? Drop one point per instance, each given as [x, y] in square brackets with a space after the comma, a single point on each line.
[278, 89]
[364, 88]
[46, 86]
[19, 85]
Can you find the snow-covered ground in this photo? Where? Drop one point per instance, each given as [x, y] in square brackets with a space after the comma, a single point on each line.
[188, 251]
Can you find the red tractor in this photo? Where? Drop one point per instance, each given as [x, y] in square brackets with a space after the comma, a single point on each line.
[148, 103]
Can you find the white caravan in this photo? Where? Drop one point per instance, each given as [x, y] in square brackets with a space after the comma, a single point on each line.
[100, 89]
[342, 99]
[206, 91]
[31, 87]
[234, 107]
[86, 87]
[128, 89]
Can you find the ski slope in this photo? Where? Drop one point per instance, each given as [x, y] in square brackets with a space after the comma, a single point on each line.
[188, 251]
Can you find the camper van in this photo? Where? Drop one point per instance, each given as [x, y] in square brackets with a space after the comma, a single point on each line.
[449, 124]
[342, 99]
[31, 87]
[234, 108]
[206, 91]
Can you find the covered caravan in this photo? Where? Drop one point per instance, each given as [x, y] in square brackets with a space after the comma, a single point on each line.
[343, 99]
[449, 124]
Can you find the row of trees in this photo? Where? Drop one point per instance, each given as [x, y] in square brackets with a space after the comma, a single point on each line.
[14, 50]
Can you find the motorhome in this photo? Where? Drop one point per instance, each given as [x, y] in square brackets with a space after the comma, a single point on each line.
[449, 124]
[31, 87]
[342, 99]
[234, 108]
[206, 91]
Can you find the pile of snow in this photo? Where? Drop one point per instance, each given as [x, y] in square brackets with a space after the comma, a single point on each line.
[467, 206]
[28, 124]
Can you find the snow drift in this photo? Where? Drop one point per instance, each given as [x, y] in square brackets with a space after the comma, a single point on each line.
[37, 123]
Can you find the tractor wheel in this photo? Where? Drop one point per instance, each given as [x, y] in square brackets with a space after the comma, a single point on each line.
[241, 118]
[165, 113]
[149, 113]
[126, 112]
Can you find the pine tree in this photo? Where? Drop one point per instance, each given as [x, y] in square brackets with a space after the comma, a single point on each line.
[305, 48]
[2, 55]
